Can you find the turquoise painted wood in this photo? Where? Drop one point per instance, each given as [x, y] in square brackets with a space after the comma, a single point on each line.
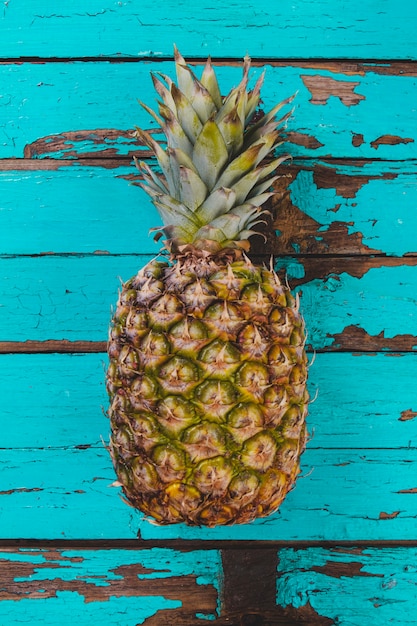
[323, 28]
[71, 228]
[55, 463]
[71, 297]
[45, 210]
[75, 383]
[70, 494]
[350, 586]
[341, 110]
[112, 587]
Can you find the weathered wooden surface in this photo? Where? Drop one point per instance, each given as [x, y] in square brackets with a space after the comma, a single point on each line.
[316, 585]
[273, 587]
[55, 463]
[289, 28]
[112, 587]
[323, 207]
[342, 109]
[356, 303]
[342, 548]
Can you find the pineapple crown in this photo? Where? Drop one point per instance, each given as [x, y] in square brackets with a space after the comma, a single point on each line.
[214, 175]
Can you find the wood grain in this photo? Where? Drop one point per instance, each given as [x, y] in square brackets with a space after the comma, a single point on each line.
[348, 585]
[340, 416]
[70, 297]
[322, 208]
[71, 227]
[279, 29]
[67, 493]
[84, 122]
[145, 586]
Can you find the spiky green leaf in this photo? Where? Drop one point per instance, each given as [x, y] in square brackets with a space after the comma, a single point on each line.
[186, 114]
[164, 91]
[217, 203]
[231, 128]
[193, 190]
[152, 179]
[209, 81]
[210, 153]
[176, 138]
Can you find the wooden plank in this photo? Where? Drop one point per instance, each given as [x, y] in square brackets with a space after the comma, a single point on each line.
[322, 207]
[308, 29]
[115, 587]
[341, 110]
[349, 303]
[318, 586]
[348, 585]
[342, 494]
[59, 401]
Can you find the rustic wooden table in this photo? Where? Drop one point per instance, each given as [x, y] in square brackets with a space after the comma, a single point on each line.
[343, 547]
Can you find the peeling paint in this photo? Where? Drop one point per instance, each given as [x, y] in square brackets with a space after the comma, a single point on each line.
[323, 87]
[109, 142]
[384, 515]
[356, 338]
[407, 415]
[357, 139]
[390, 140]
[303, 139]
[186, 580]
[346, 590]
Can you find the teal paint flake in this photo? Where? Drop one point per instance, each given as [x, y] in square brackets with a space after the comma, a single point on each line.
[381, 590]
[69, 607]
[205, 616]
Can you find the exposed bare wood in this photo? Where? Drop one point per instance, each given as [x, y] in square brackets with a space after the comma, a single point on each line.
[355, 338]
[390, 140]
[323, 87]
[408, 414]
[51, 345]
[323, 268]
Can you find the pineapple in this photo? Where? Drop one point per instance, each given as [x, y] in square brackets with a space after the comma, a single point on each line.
[207, 372]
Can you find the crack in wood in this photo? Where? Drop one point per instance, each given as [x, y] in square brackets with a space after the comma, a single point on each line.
[10, 492]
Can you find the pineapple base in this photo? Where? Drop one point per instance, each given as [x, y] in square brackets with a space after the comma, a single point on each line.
[207, 387]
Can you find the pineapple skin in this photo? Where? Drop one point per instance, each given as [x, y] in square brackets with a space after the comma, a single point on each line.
[207, 387]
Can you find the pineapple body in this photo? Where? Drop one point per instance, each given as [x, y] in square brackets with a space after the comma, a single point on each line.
[207, 390]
